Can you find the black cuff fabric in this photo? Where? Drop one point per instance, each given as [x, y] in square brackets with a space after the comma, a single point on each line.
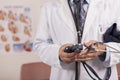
[103, 56]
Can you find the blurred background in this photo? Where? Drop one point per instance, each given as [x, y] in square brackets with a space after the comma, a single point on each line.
[18, 23]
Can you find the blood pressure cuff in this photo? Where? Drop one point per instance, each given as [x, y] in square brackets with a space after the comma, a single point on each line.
[112, 34]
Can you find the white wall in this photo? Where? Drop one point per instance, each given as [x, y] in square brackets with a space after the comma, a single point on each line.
[10, 64]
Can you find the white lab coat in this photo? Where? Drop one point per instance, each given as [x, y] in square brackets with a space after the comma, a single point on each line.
[56, 27]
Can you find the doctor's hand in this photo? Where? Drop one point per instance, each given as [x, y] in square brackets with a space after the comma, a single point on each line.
[93, 49]
[66, 57]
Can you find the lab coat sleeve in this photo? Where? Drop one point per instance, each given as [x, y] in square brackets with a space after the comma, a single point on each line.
[114, 53]
[43, 44]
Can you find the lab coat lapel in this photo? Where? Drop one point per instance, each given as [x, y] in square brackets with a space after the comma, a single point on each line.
[67, 16]
[93, 12]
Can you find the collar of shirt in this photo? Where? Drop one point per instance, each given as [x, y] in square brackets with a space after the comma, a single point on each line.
[88, 1]
[85, 6]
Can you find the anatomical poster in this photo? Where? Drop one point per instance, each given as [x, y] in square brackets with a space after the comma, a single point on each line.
[15, 29]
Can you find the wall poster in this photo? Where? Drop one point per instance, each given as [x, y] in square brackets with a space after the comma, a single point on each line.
[15, 29]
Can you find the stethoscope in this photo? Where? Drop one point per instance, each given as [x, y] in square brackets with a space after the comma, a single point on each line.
[86, 66]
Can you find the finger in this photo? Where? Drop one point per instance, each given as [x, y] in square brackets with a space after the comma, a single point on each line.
[89, 43]
[83, 52]
[89, 55]
[63, 54]
[69, 60]
[92, 55]
[84, 59]
[92, 51]
[80, 57]
[69, 55]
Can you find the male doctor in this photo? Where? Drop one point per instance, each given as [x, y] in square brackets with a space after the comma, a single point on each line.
[57, 30]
